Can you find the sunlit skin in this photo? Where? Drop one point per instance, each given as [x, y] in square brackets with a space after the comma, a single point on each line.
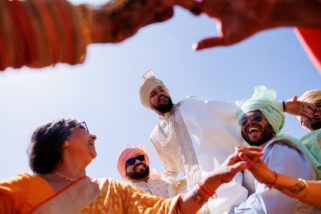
[159, 97]
[256, 132]
[313, 123]
[81, 145]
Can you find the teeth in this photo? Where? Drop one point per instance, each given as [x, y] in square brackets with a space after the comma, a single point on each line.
[252, 129]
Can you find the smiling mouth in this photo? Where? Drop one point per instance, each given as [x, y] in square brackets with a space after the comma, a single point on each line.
[163, 98]
[253, 130]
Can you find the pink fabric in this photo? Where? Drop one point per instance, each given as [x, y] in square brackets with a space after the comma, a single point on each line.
[128, 153]
[311, 41]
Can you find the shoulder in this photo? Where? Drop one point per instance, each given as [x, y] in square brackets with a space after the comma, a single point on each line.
[280, 142]
[20, 179]
[284, 151]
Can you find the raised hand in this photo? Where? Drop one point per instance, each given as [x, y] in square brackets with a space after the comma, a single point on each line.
[237, 20]
[300, 108]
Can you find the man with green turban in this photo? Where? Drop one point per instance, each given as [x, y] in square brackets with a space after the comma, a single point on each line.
[261, 121]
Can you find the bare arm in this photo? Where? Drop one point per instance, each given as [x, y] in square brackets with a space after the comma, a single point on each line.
[306, 191]
[240, 19]
[190, 201]
[41, 33]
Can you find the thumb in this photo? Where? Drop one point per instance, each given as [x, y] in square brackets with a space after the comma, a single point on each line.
[209, 43]
[295, 98]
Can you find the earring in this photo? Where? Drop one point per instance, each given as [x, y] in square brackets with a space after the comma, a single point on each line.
[66, 144]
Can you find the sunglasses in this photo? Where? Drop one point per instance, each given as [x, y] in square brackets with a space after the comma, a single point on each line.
[132, 161]
[257, 117]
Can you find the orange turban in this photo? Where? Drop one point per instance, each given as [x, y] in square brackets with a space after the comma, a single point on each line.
[128, 153]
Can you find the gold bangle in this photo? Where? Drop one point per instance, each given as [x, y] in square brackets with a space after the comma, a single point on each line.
[306, 186]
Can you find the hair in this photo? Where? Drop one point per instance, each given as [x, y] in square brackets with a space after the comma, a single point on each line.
[46, 146]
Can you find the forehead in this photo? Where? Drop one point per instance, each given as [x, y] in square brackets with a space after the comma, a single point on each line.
[134, 156]
[158, 88]
[252, 112]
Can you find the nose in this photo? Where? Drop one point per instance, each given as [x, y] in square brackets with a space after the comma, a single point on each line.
[137, 161]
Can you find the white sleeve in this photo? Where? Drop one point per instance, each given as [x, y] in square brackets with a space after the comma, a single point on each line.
[170, 166]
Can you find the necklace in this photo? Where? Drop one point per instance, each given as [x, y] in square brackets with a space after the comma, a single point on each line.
[65, 177]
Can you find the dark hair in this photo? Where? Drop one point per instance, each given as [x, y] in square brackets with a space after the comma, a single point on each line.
[47, 141]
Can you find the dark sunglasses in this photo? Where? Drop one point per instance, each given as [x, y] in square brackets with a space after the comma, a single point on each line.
[132, 161]
[254, 117]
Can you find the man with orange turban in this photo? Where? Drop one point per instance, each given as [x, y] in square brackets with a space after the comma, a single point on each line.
[133, 166]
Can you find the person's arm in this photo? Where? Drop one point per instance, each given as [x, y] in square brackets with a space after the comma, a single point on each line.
[271, 201]
[193, 200]
[41, 33]
[306, 191]
[240, 19]
[299, 108]
[128, 199]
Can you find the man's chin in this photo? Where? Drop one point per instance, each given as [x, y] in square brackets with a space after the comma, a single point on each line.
[254, 142]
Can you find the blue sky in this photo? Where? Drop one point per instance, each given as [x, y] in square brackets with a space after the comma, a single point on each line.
[104, 90]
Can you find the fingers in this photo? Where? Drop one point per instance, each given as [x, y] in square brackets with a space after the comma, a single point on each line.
[209, 43]
[242, 165]
[192, 5]
[295, 99]
[248, 153]
[308, 110]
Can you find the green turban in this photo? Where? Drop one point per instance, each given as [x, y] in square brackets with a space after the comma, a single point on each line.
[264, 100]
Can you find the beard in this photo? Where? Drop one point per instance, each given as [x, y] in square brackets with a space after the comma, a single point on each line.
[139, 175]
[164, 108]
[316, 125]
[266, 135]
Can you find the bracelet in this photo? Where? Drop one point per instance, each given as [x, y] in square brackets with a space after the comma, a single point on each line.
[274, 181]
[197, 197]
[206, 191]
[306, 186]
[284, 106]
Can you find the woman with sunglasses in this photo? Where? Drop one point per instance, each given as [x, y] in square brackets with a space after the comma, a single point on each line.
[59, 154]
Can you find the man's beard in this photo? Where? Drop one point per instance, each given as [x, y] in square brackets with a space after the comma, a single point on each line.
[164, 108]
[139, 175]
[266, 135]
[316, 125]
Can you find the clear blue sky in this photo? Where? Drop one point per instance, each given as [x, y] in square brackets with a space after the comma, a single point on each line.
[104, 90]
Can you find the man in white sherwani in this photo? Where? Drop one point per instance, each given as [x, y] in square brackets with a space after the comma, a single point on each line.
[196, 135]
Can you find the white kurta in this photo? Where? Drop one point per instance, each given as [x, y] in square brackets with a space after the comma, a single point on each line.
[154, 187]
[214, 132]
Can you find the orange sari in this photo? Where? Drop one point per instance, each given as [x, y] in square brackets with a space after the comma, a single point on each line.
[23, 193]
[32, 194]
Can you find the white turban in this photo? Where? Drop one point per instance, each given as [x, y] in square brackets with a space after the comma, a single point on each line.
[150, 83]
[264, 100]
[311, 96]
